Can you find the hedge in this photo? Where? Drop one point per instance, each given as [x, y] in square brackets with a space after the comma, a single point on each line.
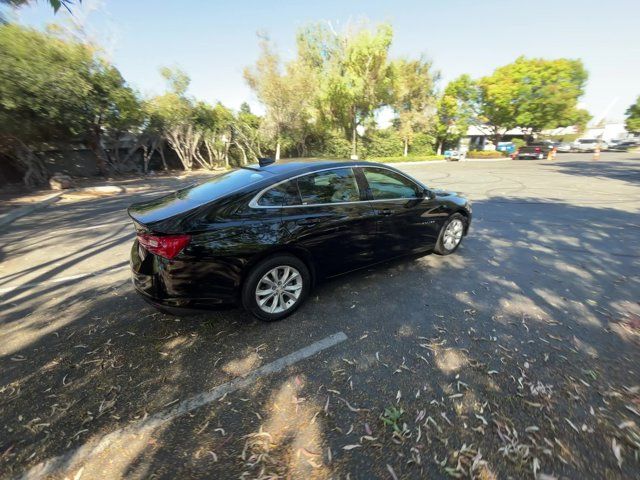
[485, 154]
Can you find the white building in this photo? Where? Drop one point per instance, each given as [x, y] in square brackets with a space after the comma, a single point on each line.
[479, 137]
[608, 132]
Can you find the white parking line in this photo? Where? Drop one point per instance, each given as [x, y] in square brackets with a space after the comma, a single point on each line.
[76, 459]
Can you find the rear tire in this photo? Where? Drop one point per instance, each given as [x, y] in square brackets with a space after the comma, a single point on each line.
[276, 287]
[453, 228]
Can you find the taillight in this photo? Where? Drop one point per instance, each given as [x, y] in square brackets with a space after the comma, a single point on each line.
[167, 246]
[537, 149]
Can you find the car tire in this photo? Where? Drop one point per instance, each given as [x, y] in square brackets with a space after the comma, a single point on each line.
[443, 246]
[269, 270]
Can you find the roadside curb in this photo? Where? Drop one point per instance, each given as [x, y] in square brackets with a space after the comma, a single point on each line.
[101, 190]
[9, 218]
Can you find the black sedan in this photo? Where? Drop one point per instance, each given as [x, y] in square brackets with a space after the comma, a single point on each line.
[261, 236]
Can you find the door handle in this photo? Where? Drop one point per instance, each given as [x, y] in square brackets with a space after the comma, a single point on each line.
[386, 212]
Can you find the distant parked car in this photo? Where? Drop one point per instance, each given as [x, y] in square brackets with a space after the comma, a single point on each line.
[589, 145]
[564, 147]
[537, 150]
[454, 155]
[507, 147]
[622, 146]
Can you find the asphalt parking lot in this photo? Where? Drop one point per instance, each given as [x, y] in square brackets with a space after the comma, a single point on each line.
[517, 357]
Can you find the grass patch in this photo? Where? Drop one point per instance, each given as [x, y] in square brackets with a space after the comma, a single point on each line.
[410, 158]
[391, 417]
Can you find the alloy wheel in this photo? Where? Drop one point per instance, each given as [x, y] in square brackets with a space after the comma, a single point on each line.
[279, 289]
[453, 234]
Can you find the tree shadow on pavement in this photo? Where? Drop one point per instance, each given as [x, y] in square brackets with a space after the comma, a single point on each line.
[625, 171]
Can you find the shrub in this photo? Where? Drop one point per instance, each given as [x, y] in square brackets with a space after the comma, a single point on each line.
[381, 143]
[485, 154]
[337, 146]
[422, 145]
[333, 145]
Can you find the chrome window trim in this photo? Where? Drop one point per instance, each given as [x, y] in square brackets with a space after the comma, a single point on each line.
[254, 201]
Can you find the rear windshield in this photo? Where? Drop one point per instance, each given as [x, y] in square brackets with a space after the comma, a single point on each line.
[220, 186]
[194, 196]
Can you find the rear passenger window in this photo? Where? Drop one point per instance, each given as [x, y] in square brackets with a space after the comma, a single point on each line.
[283, 194]
[331, 186]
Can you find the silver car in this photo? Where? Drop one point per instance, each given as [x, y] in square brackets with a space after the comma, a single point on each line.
[589, 145]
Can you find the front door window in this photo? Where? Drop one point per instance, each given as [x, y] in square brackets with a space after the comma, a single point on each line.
[388, 185]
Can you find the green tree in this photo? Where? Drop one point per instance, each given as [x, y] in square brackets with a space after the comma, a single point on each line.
[175, 113]
[55, 4]
[353, 72]
[534, 94]
[216, 125]
[286, 92]
[200, 134]
[456, 108]
[413, 97]
[633, 117]
[151, 137]
[52, 89]
[127, 121]
[247, 135]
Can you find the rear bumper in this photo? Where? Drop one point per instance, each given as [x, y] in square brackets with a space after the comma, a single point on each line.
[179, 307]
[183, 284]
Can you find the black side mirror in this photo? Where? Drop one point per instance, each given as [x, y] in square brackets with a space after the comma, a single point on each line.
[426, 193]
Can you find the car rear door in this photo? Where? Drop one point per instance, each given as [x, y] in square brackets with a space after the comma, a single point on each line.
[333, 221]
[408, 220]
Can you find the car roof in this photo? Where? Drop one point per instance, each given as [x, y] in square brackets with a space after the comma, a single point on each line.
[292, 166]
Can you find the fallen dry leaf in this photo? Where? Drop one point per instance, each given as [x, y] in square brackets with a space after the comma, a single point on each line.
[351, 447]
[617, 451]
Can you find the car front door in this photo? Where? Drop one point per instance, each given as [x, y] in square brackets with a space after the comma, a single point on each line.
[333, 221]
[408, 217]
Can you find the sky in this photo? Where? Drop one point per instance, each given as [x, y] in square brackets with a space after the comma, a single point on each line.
[213, 41]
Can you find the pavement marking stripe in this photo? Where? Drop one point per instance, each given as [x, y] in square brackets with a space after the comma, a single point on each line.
[74, 458]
